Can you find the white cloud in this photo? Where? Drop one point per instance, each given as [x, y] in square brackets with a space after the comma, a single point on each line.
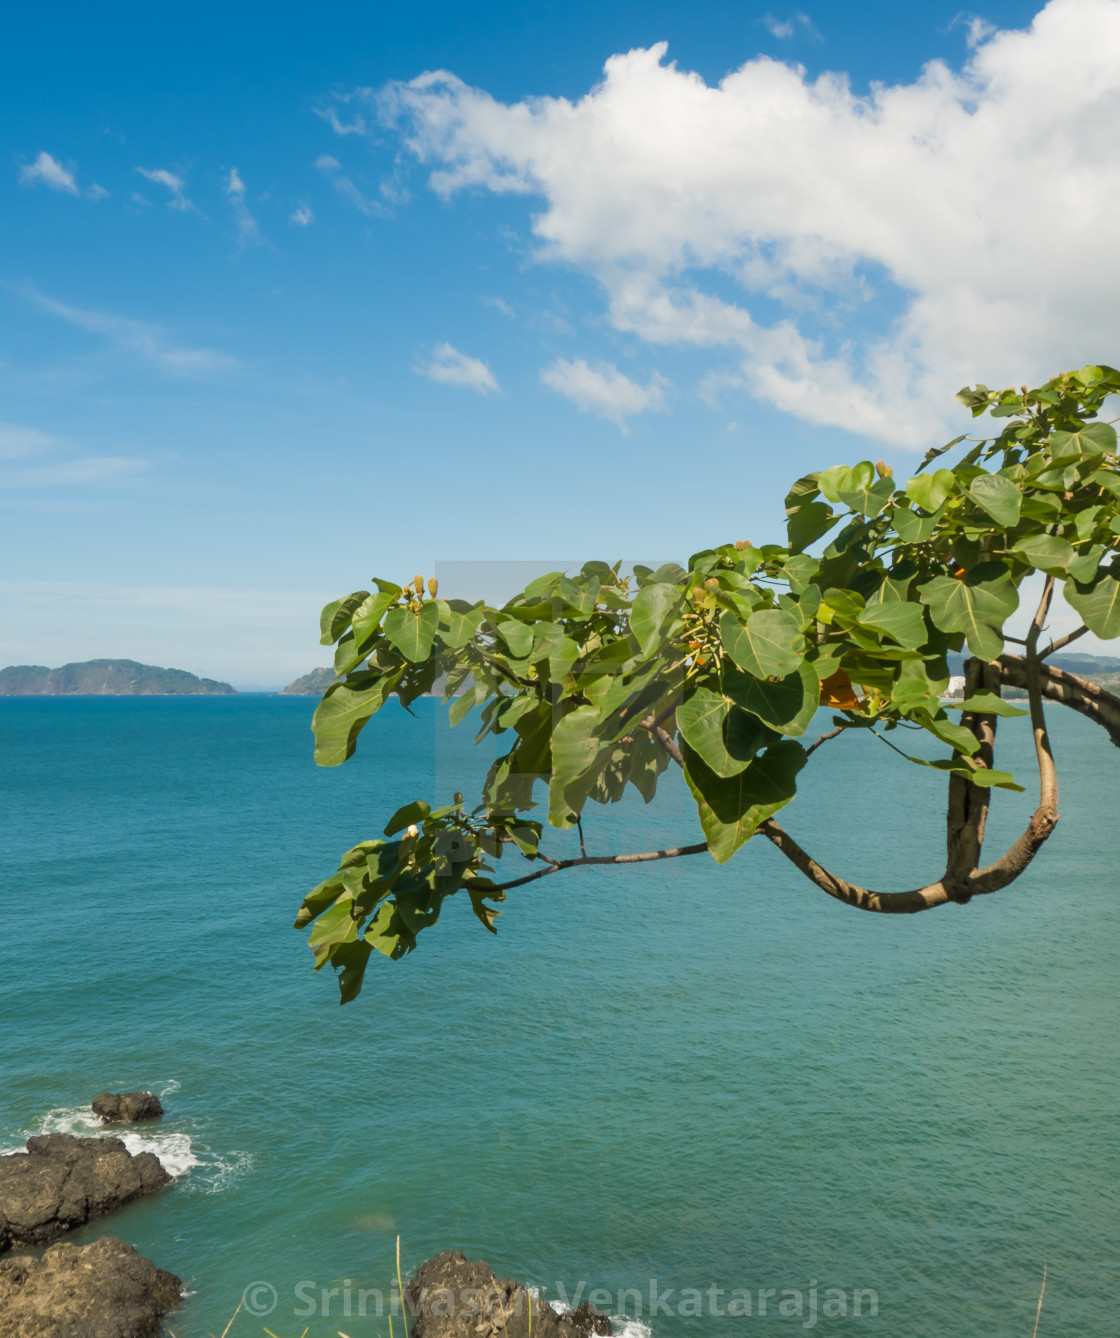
[17, 442]
[69, 473]
[603, 389]
[500, 304]
[48, 171]
[162, 177]
[332, 169]
[452, 368]
[788, 27]
[137, 337]
[355, 127]
[302, 216]
[248, 233]
[853, 259]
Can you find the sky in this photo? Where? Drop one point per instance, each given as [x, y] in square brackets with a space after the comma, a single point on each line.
[294, 297]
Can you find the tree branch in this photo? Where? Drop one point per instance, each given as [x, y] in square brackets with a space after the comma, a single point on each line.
[556, 865]
[824, 738]
[1059, 685]
[1063, 641]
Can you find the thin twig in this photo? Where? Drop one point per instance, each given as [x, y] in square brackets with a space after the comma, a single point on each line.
[232, 1318]
[1063, 641]
[1041, 1294]
[556, 865]
[824, 738]
[579, 828]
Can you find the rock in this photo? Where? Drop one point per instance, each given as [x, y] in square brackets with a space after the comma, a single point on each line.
[451, 1297]
[62, 1181]
[103, 1290]
[127, 1107]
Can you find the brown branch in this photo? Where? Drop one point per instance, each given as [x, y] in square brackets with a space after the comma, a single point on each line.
[1063, 641]
[1059, 685]
[556, 865]
[824, 738]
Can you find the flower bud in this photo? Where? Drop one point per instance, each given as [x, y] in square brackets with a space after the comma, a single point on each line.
[883, 469]
[433, 586]
[457, 797]
[418, 582]
[712, 583]
[413, 830]
[740, 544]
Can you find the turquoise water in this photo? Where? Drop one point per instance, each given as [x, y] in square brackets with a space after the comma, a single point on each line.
[708, 1076]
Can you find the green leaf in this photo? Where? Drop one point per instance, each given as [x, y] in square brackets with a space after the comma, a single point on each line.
[352, 959]
[731, 808]
[726, 737]
[413, 633]
[518, 637]
[1099, 602]
[987, 778]
[986, 703]
[367, 616]
[978, 605]
[787, 705]
[768, 645]
[998, 496]
[650, 609]
[575, 750]
[342, 714]
[1046, 552]
[904, 623]
[335, 618]
[806, 522]
[462, 622]
[929, 491]
[912, 528]
[404, 817]
[867, 494]
[1092, 440]
[1083, 568]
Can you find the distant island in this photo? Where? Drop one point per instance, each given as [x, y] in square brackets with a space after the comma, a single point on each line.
[105, 678]
[313, 684]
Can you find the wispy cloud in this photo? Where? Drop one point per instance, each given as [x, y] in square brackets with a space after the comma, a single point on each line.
[140, 338]
[175, 184]
[355, 127]
[603, 390]
[17, 442]
[71, 473]
[790, 26]
[302, 216]
[331, 168]
[28, 446]
[452, 368]
[248, 232]
[48, 171]
[500, 304]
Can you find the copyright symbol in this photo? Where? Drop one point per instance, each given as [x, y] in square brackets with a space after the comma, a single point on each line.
[259, 1298]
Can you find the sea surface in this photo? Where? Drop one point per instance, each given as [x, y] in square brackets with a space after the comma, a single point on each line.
[679, 1076]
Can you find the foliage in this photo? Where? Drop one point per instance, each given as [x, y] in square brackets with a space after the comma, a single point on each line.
[602, 679]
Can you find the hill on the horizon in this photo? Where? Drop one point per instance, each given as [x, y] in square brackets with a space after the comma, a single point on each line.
[105, 678]
[312, 684]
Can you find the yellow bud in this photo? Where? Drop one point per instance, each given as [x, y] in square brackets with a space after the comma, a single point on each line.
[433, 586]
[883, 470]
[418, 582]
[740, 544]
[457, 798]
[712, 583]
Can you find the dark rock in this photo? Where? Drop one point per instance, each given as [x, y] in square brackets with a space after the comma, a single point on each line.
[62, 1181]
[103, 1290]
[127, 1107]
[452, 1297]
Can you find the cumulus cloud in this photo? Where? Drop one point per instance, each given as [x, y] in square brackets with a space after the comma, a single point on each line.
[139, 338]
[175, 184]
[248, 233]
[603, 389]
[850, 258]
[452, 368]
[48, 171]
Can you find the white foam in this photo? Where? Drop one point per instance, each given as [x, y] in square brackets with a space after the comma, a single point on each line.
[625, 1326]
[179, 1152]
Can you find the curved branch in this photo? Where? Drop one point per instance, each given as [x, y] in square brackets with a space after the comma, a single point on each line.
[1059, 685]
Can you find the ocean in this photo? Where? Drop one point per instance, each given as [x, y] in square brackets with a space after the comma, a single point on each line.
[683, 1087]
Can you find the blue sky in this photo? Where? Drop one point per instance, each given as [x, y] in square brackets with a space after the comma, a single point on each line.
[278, 313]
